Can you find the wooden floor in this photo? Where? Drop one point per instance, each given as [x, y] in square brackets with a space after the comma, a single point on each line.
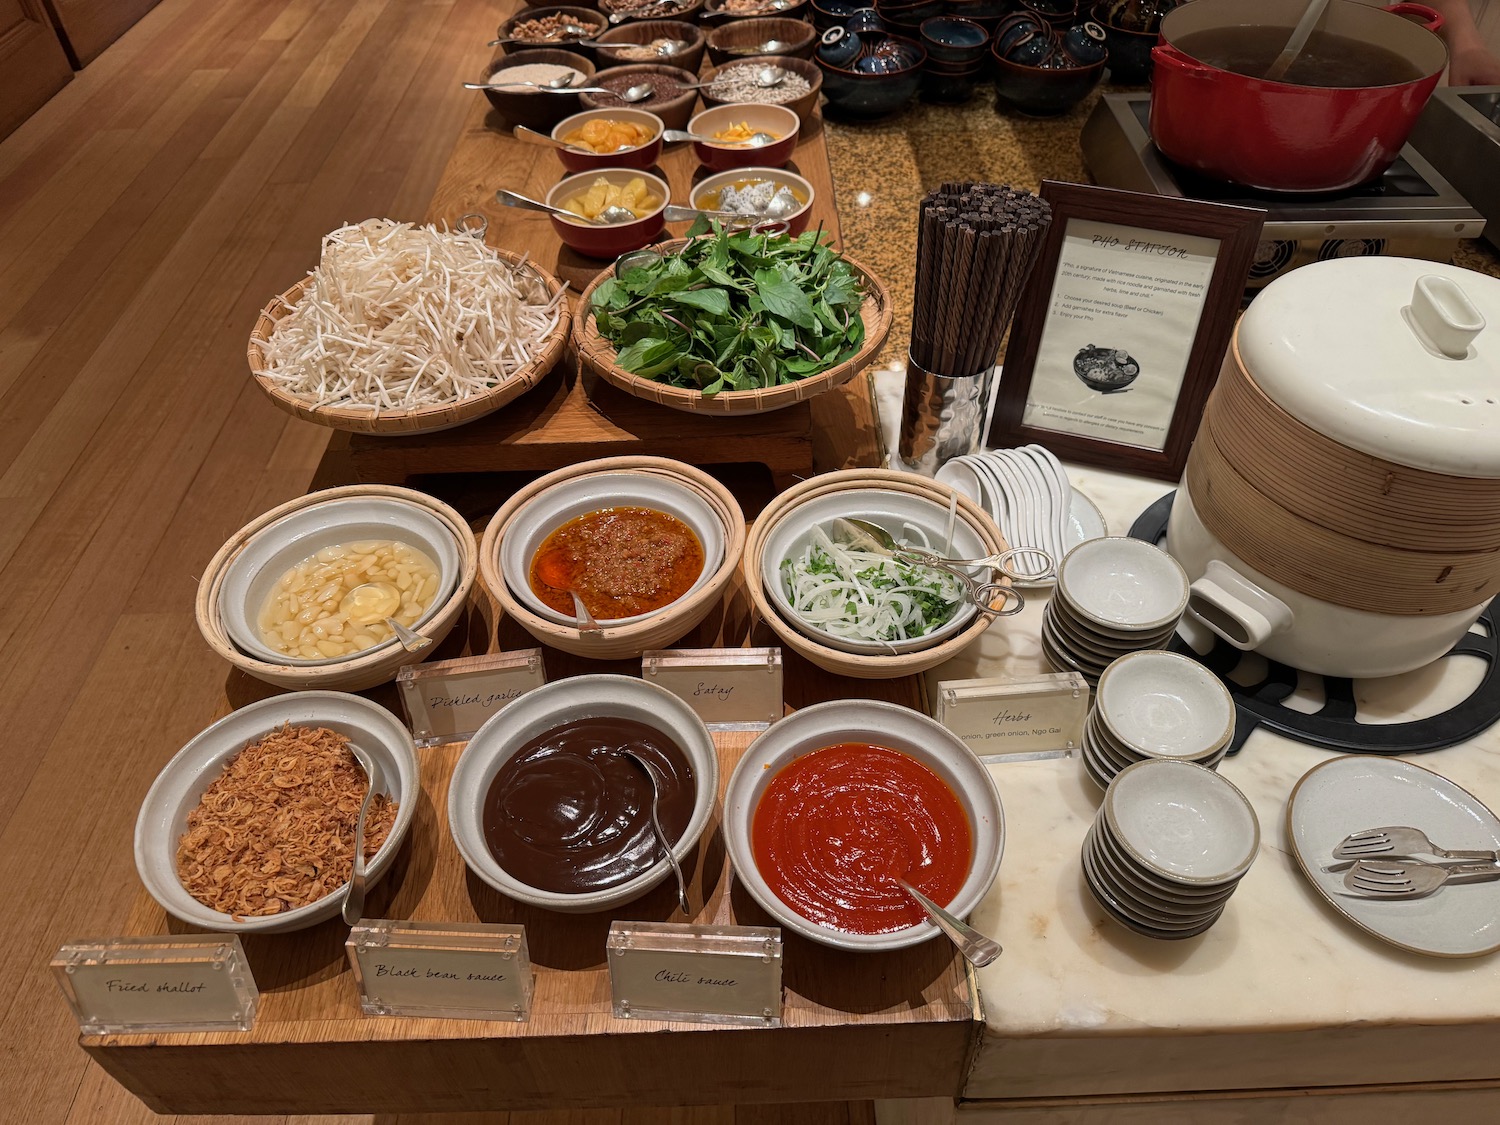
[146, 213]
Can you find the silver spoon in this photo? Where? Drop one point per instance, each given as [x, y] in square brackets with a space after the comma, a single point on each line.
[755, 140]
[765, 78]
[566, 29]
[634, 94]
[354, 897]
[977, 949]
[608, 217]
[375, 601]
[532, 137]
[682, 899]
[621, 17]
[769, 47]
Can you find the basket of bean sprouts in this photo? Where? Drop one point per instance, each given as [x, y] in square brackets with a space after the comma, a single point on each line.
[406, 329]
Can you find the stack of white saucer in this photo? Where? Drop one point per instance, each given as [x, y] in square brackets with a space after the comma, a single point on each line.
[1156, 704]
[1114, 596]
[1169, 846]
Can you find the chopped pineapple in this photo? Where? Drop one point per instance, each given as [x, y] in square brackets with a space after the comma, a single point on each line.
[633, 195]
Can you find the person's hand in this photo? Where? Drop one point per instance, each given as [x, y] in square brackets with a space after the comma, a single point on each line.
[1473, 66]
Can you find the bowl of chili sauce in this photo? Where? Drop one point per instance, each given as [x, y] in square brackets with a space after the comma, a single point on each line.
[834, 803]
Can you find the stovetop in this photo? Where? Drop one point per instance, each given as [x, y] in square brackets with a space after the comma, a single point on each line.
[1410, 201]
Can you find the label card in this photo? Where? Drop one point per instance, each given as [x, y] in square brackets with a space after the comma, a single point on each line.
[1016, 720]
[729, 688]
[148, 984]
[448, 700]
[448, 969]
[696, 974]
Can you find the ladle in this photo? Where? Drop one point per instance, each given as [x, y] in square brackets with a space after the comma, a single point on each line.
[1283, 62]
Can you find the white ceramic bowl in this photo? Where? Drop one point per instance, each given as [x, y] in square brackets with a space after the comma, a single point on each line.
[1182, 822]
[1165, 705]
[1123, 583]
[535, 713]
[252, 574]
[578, 496]
[896, 512]
[880, 724]
[182, 781]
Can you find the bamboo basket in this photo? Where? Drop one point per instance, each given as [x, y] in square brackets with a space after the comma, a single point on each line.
[855, 665]
[418, 420]
[366, 669]
[621, 642]
[598, 355]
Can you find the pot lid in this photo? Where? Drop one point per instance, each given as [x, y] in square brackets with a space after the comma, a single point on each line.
[1395, 357]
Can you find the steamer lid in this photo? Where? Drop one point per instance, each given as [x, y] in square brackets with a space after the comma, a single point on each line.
[1395, 357]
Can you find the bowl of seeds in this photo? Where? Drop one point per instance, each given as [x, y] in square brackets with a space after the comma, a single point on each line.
[745, 81]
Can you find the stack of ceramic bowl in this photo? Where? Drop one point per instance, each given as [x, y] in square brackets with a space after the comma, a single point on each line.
[1168, 848]
[1114, 596]
[1156, 705]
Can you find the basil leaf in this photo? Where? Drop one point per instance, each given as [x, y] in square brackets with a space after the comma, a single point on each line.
[787, 300]
[712, 301]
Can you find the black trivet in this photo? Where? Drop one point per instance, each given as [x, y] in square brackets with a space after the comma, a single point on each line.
[1336, 725]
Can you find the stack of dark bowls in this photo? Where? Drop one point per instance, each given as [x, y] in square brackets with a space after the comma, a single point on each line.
[986, 13]
[1130, 28]
[1044, 64]
[956, 55]
[867, 71]
[905, 17]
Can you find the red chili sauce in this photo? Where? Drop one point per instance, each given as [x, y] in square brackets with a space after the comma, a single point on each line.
[835, 828]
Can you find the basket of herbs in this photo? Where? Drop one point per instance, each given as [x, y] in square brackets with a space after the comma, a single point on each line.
[733, 322]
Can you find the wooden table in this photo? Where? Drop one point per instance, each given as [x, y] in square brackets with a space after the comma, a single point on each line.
[573, 416]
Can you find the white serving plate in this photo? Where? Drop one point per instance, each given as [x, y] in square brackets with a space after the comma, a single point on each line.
[1355, 792]
[182, 781]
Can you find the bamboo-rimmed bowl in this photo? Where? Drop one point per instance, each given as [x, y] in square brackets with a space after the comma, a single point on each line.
[658, 630]
[363, 670]
[598, 354]
[421, 419]
[859, 666]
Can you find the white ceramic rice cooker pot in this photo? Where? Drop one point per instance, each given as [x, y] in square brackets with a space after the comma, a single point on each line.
[1340, 511]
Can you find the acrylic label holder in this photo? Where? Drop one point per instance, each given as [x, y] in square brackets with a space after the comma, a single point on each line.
[727, 975]
[729, 688]
[448, 700]
[450, 970]
[1016, 720]
[152, 984]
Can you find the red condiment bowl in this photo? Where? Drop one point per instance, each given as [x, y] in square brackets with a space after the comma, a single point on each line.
[642, 156]
[796, 222]
[616, 239]
[763, 118]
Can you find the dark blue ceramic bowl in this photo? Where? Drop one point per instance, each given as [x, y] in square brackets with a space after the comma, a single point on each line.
[853, 94]
[832, 13]
[949, 39]
[1042, 92]
[1129, 52]
[1085, 43]
[1059, 13]
[950, 88]
[839, 47]
[863, 20]
[978, 9]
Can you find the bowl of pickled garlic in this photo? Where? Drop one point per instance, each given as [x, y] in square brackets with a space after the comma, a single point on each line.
[588, 194]
[316, 586]
[619, 137]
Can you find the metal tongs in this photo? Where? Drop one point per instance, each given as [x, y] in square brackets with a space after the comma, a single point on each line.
[863, 535]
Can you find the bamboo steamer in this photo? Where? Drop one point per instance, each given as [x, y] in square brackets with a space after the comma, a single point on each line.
[367, 669]
[417, 420]
[855, 665]
[598, 355]
[619, 642]
[1340, 510]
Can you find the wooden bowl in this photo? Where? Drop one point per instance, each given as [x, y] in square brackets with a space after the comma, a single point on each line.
[416, 420]
[364, 670]
[598, 354]
[637, 32]
[725, 43]
[527, 107]
[687, 11]
[715, 12]
[675, 113]
[659, 630]
[585, 17]
[846, 663]
[804, 107]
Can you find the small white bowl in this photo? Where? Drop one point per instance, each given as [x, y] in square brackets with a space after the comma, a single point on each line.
[182, 781]
[1165, 705]
[879, 724]
[252, 574]
[1124, 584]
[897, 513]
[550, 706]
[1182, 822]
[578, 496]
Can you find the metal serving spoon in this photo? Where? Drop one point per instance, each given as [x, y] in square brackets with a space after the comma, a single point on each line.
[610, 216]
[376, 601]
[769, 47]
[765, 78]
[633, 94]
[532, 137]
[578, 30]
[354, 896]
[682, 899]
[755, 140]
[977, 949]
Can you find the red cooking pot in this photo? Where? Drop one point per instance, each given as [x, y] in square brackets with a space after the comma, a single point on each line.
[1279, 137]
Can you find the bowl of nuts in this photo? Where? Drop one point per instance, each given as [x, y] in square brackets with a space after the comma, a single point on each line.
[536, 28]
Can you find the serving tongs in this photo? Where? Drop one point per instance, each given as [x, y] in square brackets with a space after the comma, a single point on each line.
[1412, 878]
[1400, 842]
[867, 536]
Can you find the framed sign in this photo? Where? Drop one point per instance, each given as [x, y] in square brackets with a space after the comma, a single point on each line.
[1120, 334]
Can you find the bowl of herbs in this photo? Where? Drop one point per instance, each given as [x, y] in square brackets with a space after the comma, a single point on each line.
[733, 322]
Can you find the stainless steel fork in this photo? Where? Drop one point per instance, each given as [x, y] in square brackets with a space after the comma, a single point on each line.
[1399, 840]
[1411, 878]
